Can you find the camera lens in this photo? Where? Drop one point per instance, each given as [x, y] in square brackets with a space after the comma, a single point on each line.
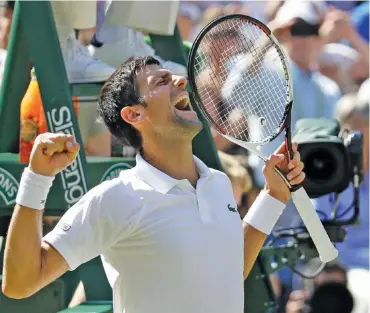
[326, 167]
[320, 164]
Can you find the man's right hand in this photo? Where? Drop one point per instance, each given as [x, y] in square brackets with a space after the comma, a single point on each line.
[51, 153]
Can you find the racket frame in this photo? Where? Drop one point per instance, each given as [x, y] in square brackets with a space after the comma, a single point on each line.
[286, 119]
[325, 248]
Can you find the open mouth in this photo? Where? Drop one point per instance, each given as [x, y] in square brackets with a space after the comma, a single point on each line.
[182, 103]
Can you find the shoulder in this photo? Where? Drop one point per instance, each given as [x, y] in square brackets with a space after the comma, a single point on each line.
[220, 178]
[114, 193]
[329, 86]
[218, 174]
[106, 189]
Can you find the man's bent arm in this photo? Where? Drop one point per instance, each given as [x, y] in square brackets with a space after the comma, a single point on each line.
[29, 263]
[253, 242]
[271, 206]
[270, 203]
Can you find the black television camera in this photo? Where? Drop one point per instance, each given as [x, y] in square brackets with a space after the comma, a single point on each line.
[332, 157]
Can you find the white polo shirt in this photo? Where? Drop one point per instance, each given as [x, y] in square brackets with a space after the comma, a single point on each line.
[166, 247]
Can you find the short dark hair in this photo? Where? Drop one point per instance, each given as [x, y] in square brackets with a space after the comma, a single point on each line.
[119, 91]
[335, 266]
[331, 297]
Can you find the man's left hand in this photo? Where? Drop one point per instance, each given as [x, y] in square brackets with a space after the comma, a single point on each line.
[275, 185]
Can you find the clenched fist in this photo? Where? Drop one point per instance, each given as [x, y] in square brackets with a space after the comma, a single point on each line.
[294, 169]
[51, 153]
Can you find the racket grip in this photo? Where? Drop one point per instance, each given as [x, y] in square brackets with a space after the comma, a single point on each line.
[327, 251]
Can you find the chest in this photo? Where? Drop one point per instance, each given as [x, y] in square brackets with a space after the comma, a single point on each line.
[192, 228]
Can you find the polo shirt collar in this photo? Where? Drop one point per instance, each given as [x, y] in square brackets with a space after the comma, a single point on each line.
[159, 180]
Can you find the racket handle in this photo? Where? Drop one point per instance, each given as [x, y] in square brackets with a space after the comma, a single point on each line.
[318, 234]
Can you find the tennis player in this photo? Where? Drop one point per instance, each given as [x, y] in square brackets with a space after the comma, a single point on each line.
[168, 230]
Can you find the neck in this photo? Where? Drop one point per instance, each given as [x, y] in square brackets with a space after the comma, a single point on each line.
[300, 62]
[174, 159]
[307, 67]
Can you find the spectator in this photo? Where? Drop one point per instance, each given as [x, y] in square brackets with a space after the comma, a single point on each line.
[187, 19]
[121, 32]
[254, 190]
[331, 280]
[297, 27]
[338, 27]
[360, 18]
[6, 17]
[348, 5]
[333, 271]
[240, 180]
[6, 13]
[344, 65]
[272, 8]
[221, 70]
[68, 15]
[80, 65]
[331, 297]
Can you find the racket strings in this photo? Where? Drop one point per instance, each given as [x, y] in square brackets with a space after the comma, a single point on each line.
[241, 81]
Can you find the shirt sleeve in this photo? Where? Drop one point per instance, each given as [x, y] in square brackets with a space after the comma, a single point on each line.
[84, 231]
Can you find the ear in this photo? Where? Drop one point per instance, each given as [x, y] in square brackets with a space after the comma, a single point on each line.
[133, 114]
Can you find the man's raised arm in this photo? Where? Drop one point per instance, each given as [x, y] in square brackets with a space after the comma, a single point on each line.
[29, 263]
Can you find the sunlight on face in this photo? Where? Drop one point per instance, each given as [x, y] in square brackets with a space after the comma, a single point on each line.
[167, 111]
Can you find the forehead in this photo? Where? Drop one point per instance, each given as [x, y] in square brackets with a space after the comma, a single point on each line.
[147, 75]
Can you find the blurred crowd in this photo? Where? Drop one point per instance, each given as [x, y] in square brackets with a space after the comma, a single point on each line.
[327, 44]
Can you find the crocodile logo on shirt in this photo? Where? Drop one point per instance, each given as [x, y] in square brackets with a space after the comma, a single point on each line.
[231, 209]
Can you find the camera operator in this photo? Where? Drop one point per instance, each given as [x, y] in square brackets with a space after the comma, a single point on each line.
[328, 293]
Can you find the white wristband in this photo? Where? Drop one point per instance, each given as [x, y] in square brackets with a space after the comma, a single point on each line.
[264, 213]
[33, 189]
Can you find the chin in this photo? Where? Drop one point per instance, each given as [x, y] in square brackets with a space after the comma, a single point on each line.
[191, 124]
[192, 128]
[188, 129]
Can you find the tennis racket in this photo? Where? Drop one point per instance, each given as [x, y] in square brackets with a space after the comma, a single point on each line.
[241, 84]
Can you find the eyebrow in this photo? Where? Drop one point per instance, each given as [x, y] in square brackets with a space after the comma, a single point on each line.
[157, 77]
